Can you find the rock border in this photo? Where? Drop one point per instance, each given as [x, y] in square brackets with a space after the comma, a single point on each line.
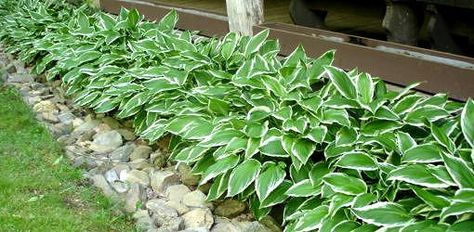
[161, 196]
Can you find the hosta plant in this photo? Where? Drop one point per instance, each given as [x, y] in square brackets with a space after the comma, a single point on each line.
[338, 150]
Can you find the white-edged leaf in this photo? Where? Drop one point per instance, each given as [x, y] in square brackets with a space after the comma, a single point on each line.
[467, 122]
[386, 214]
[242, 176]
[303, 188]
[416, 174]
[342, 82]
[221, 166]
[269, 180]
[358, 161]
[343, 183]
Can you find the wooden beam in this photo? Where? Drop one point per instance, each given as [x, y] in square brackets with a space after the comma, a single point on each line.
[244, 14]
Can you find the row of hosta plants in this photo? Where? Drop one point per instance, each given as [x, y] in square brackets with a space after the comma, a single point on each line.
[337, 150]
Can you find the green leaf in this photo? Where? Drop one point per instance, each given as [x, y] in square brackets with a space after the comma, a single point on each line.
[425, 153]
[255, 43]
[318, 171]
[343, 183]
[221, 137]
[303, 188]
[258, 113]
[268, 180]
[358, 161]
[242, 176]
[467, 122]
[190, 154]
[405, 142]
[302, 149]
[168, 23]
[416, 174]
[133, 18]
[221, 166]
[431, 198]
[429, 112]
[317, 134]
[256, 130]
[442, 138]
[218, 106]
[457, 209]
[342, 82]
[312, 220]
[384, 214]
[218, 187]
[277, 196]
[459, 171]
[317, 66]
[365, 88]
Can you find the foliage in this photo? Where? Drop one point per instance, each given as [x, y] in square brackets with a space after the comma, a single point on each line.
[341, 150]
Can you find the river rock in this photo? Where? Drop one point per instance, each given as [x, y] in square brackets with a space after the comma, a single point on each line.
[106, 142]
[161, 180]
[158, 207]
[141, 152]
[178, 206]
[137, 176]
[230, 208]
[197, 218]
[186, 176]
[122, 154]
[177, 192]
[195, 199]
[100, 182]
[135, 196]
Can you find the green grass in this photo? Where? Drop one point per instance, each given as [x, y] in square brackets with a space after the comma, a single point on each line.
[38, 193]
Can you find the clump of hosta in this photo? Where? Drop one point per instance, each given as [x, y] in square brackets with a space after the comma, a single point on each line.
[337, 149]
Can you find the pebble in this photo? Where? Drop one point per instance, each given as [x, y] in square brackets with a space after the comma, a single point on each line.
[197, 218]
[161, 180]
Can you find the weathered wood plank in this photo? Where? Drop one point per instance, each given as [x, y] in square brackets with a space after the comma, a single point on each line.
[244, 14]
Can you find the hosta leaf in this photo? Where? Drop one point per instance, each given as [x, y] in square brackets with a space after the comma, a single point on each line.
[221, 166]
[158, 85]
[457, 208]
[318, 171]
[429, 112]
[342, 82]
[459, 171]
[303, 188]
[242, 176]
[190, 154]
[433, 199]
[317, 66]
[219, 107]
[258, 113]
[218, 187]
[256, 130]
[255, 43]
[385, 214]
[425, 153]
[405, 142]
[273, 146]
[317, 134]
[252, 147]
[425, 226]
[461, 226]
[168, 22]
[443, 138]
[268, 180]
[358, 161]
[183, 124]
[417, 174]
[343, 183]
[466, 195]
[313, 219]
[277, 196]
[302, 149]
[467, 122]
[365, 88]
[221, 137]
[155, 130]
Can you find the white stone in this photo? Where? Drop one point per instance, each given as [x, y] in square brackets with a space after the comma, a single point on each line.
[161, 180]
[198, 218]
[195, 198]
[106, 142]
[177, 192]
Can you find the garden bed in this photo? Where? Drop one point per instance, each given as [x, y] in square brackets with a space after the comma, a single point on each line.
[336, 150]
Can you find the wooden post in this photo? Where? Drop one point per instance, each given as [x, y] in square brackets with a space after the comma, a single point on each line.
[244, 14]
